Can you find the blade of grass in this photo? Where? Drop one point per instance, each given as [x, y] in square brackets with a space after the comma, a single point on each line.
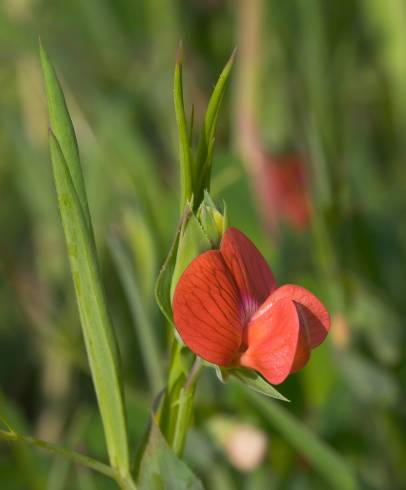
[97, 329]
[62, 127]
[206, 142]
[186, 170]
[145, 335]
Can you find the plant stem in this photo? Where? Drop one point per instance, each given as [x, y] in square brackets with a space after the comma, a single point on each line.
[125, 482]
[185, 403]
[73, 456]
[194, 373]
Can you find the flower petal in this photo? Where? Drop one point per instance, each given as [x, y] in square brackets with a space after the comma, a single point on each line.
[302, 354]
[273, 341]
[252, 274]
[207, 309]
[313, 315]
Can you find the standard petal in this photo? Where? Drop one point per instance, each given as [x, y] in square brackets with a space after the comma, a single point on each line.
[252, 274]
[313, 315]
[273, 339]
[207, 310]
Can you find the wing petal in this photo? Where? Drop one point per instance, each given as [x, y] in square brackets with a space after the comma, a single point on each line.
[313, 315]
[252, 274]
[207, 310]
[273, 339]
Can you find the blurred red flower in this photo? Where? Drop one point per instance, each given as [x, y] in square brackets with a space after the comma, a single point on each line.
[287, 194]
[229, 311]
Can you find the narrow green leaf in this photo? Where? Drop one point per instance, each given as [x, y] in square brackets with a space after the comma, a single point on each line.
[97, 329]
[164, 281]
[191, 126]
[206, 142]
[161, 469]
[256, 383]
[186, 172]
[62, 127]
[145, 332]
[327, 462]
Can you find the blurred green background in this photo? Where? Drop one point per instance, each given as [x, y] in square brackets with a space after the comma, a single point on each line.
[310, 158]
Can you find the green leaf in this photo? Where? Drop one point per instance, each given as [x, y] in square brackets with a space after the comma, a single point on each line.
[161, 469]
[62, 127]
[206, 142]
[324, 460]
[96, 325]
[256, 383]
[164, 281]
[186, 171]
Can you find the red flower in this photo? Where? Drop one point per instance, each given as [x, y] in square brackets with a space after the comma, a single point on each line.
[288, 191]
[228, 310]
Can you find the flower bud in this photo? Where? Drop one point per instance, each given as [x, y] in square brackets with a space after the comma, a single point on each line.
[212, 220]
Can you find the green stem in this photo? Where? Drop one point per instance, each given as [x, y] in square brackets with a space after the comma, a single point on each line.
[185, 403]
[176, 410]
[73, 456]
[125, 482]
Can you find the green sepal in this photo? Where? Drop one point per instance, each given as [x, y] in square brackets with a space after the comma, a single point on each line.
[192, 242]
[251, 379]
[164, 281]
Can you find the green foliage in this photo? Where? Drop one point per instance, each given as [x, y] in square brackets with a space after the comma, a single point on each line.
[185, 156]
[97, 329]
[326, 82]
[195, 167]
[257, 383]
[164, 281]
[204, 154]
[72, 456]
[62, 128]
[161, 469]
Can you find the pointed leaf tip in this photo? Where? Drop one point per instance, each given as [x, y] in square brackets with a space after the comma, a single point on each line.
[232, 56]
